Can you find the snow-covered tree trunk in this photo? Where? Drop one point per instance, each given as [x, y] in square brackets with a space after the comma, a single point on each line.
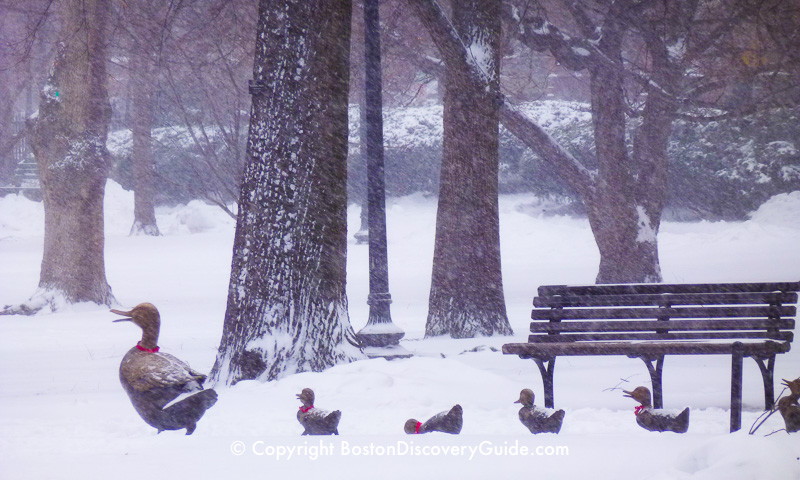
[625, 197]
[287, 308]
[466, 297]
[624, 231]
[69, 143]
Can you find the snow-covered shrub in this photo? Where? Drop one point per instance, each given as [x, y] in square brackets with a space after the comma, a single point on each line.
[725, 169]
[718, 170]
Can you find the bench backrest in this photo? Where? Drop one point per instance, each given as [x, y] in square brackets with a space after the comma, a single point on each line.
[722, 311]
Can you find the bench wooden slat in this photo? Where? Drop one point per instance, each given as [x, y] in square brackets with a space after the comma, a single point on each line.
[658, 288]
[582, 337]
[546, 350]
[664, 299]
[680, 312]
[652, 325]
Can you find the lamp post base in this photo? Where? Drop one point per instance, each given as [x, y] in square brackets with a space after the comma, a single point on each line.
[390, 352]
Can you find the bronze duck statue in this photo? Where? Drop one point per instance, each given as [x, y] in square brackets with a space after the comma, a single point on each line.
[536, 419]
[657, 420]
[449, 421]
[154, 380]
[314, 420]
[789, 407]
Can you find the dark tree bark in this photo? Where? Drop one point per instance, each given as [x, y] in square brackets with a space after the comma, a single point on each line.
[141, 78]
[69, 143]
[149, 24]
[625, 196]
[287, 308]
[624, 232]
[466, 297]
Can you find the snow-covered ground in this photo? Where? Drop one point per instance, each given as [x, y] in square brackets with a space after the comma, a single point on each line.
[63, 413]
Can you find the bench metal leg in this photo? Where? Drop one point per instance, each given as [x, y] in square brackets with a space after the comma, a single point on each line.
[655, 378]
[767, 374]
[546, 368]
[736, 387]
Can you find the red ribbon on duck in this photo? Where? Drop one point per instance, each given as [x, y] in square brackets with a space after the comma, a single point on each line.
[638, 410]
[416, 430]
[306, 409]
[148, 350]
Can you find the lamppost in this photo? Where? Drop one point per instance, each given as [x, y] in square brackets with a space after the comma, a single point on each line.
[380, 337]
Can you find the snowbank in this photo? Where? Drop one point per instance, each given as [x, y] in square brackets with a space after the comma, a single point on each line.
[783, 209]
[20, 217]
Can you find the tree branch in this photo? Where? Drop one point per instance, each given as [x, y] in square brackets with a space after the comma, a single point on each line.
[567, 167]
[540, 35]
[578, 177]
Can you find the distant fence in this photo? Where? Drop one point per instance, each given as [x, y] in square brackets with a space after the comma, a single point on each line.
[26, 178]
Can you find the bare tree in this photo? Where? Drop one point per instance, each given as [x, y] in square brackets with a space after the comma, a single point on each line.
[69, 138]
[466, 296]
[148, 24]
[25, 46]
[287, 306]
[625, 224]
[643, 61]
[204, 91]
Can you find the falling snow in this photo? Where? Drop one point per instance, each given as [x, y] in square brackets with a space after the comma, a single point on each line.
[62, 396]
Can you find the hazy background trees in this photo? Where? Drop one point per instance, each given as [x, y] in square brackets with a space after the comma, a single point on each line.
[205, 50]
[700, 123]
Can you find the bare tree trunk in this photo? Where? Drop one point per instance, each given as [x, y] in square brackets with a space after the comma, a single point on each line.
[622, 229]
[7, 138]
[287, 306]
[625, 197]
[144, 209]
[69, 142]
[650, 151]
[466, 297]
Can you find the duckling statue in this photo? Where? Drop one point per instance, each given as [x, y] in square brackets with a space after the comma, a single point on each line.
[537, 419]
[154, 380]
[794, 387]
[449, 421]
[789, 407]
[657, 420]
[790, 411]
[314, 420]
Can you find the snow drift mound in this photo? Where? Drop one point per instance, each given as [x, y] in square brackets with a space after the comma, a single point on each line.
[20, 217]
[783, 209]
